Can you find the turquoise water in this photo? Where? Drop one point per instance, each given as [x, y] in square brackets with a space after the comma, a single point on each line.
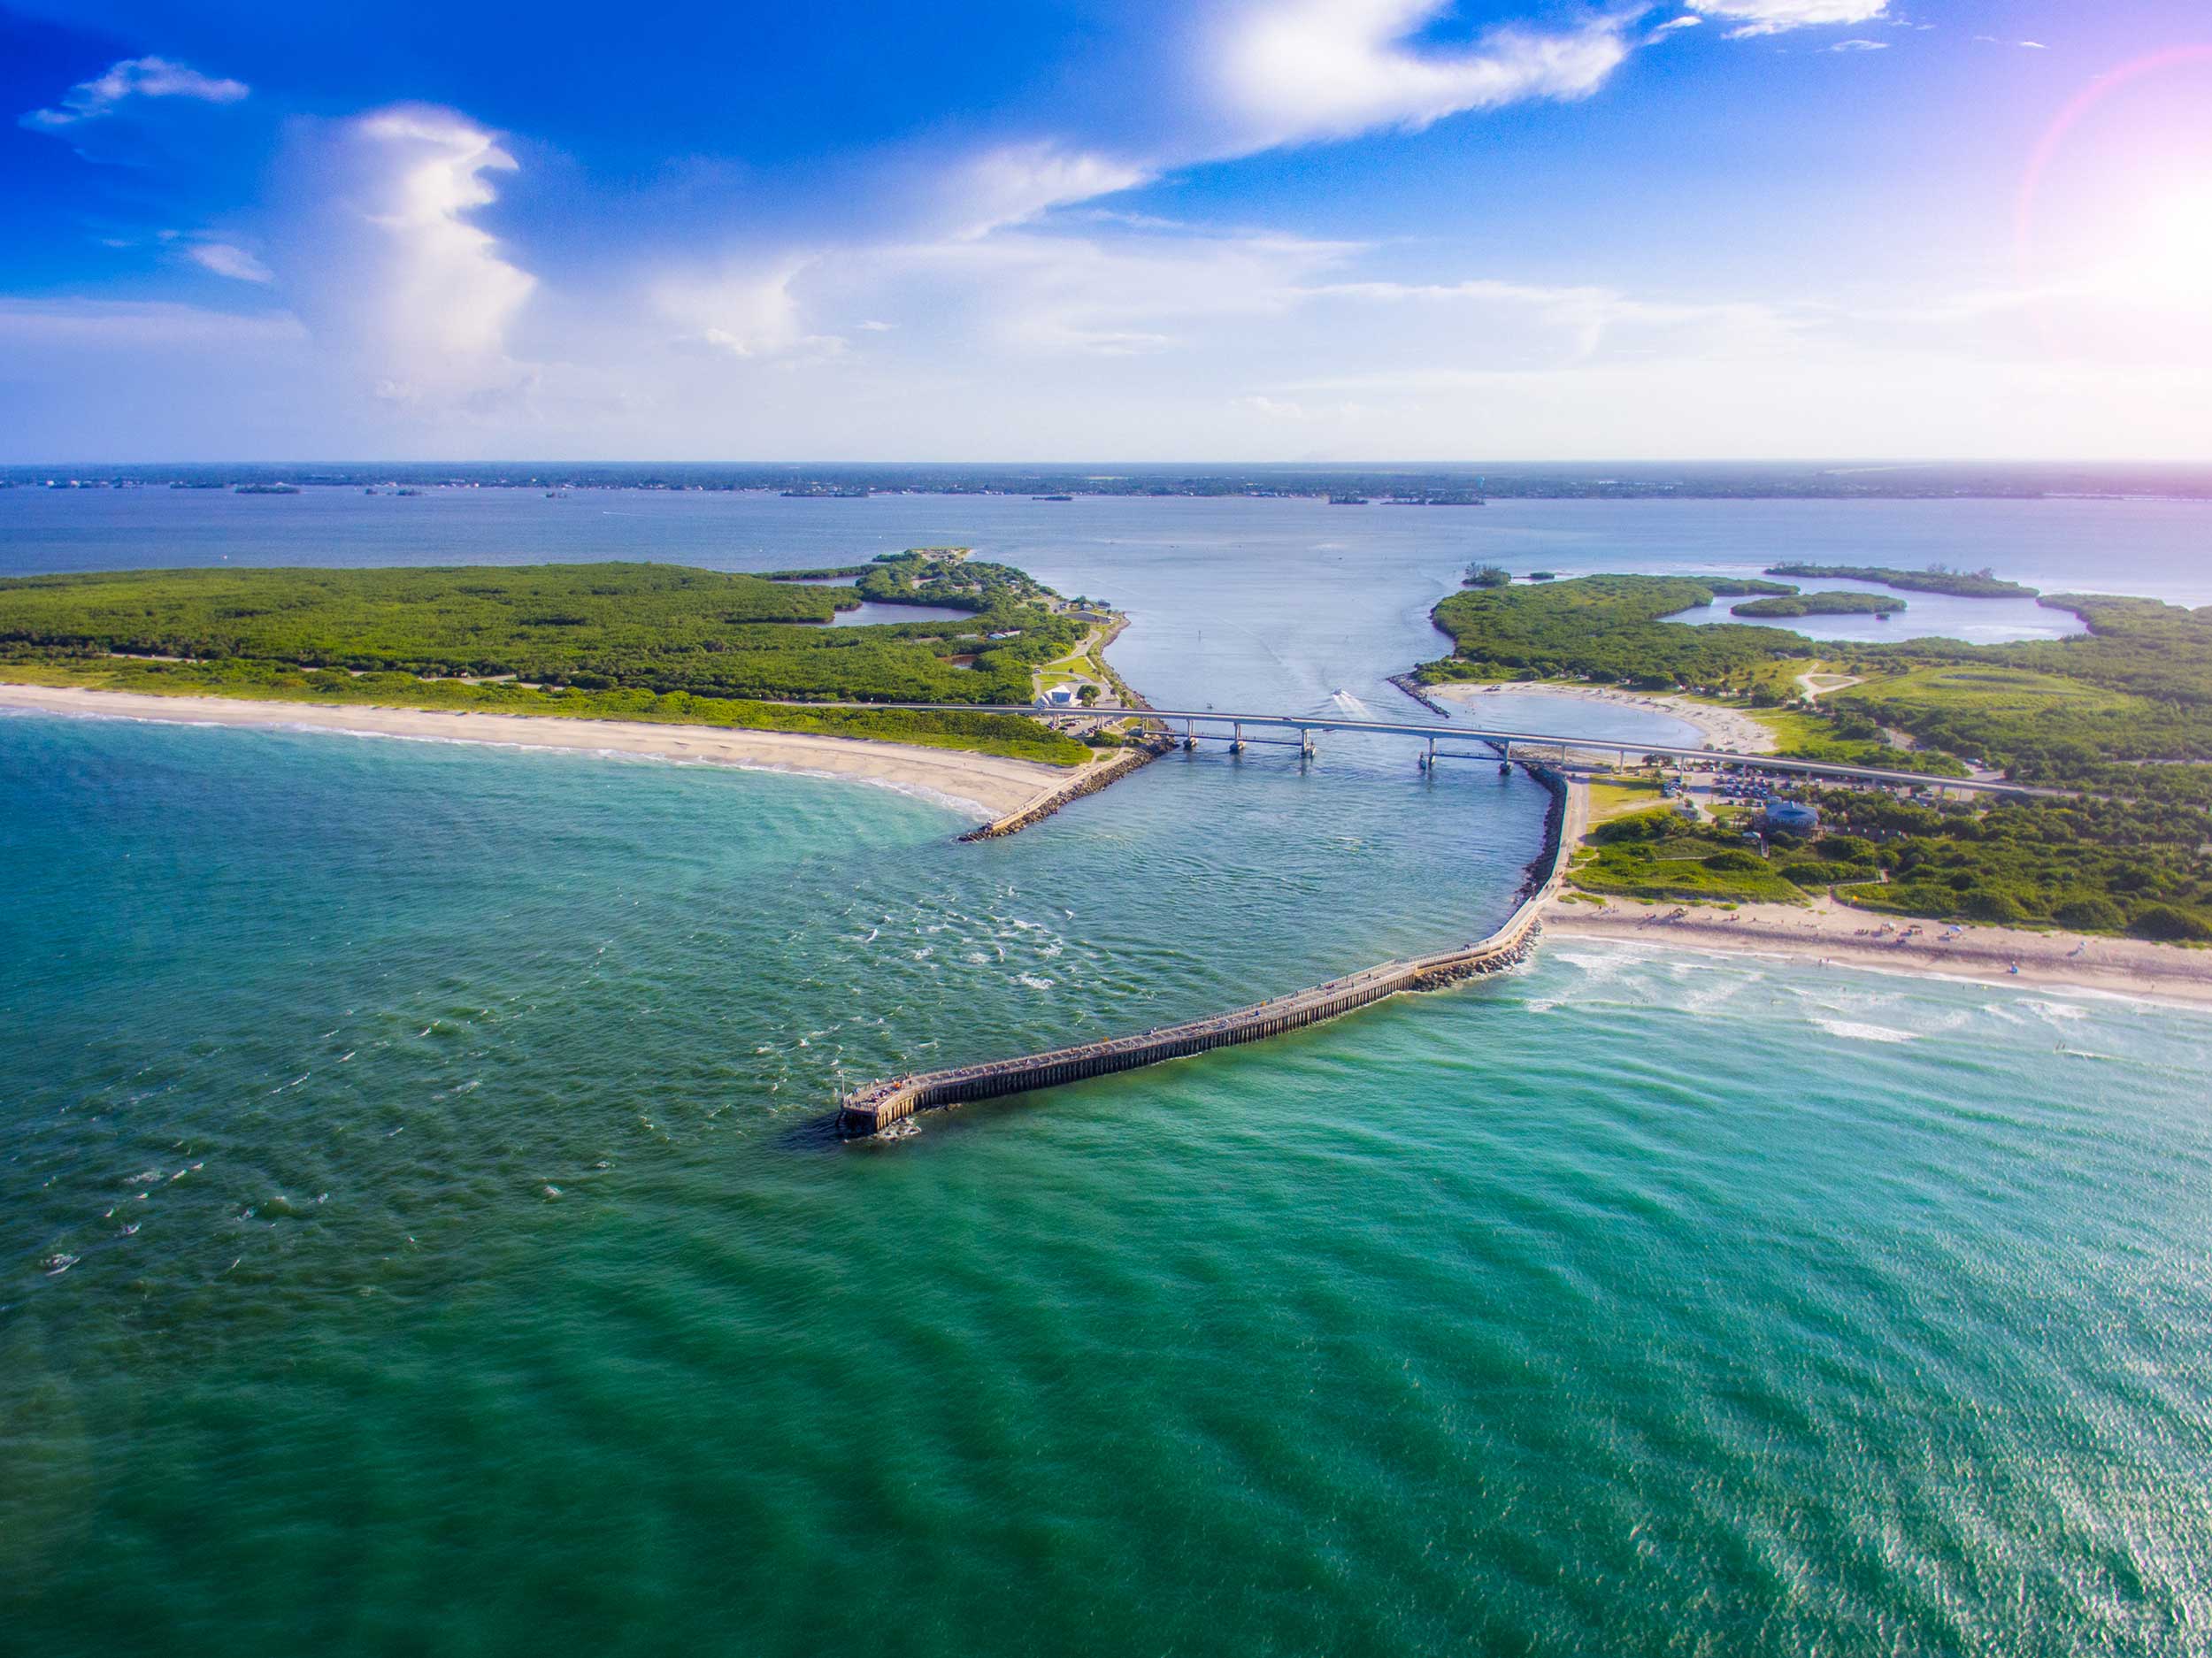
[419, 1231]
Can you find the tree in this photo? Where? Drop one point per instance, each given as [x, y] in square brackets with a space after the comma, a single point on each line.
[1087, 695]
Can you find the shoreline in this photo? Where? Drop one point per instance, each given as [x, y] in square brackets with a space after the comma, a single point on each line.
[989, 786]
[1726, 730]
[1832, 934]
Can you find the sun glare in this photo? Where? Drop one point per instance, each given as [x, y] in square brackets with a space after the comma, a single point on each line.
[2171, 256]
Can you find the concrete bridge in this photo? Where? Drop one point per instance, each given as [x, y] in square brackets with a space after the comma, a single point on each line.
[1193, 727]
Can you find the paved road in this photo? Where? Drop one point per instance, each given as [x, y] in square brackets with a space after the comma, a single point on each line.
[1429, 732]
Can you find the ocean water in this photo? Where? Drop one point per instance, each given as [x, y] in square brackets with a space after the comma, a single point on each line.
[419, 1231]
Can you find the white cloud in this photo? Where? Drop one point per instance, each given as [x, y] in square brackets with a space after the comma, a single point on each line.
[139, 326]
[1315, 69]
[1010, 185]
[746, 313]
[2035, 46]
[1773, 17]
[133, 77]
[1572, 325]
[226, 260]
[1030, 294]
[1015, 322]
[1859, 46]
[377, 245]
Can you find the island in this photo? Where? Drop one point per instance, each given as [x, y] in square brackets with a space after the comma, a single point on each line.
[568, 651]
[1837, 601]
[1959, 584]
[1738, 586]
[2107, 734]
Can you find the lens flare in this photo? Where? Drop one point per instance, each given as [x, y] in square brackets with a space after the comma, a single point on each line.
[2054, 138]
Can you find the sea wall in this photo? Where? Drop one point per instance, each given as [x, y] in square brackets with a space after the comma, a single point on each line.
[1411, 686]
[1092, 779]
[871, 1109]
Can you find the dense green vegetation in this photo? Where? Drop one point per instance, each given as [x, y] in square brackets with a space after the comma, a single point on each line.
[1836, 602]
[1851, 738]
[1742, 586]
[987, 734]
[2109, 709]
[647, 641]
[594, 627]
[1962, 584]
[1487, 576]
[477, 620]
[1663, 854]
[949, 577]
[2090, 867]
[2087, 710]
[1601, 627]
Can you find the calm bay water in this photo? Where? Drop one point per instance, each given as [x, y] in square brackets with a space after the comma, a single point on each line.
[417, 1232]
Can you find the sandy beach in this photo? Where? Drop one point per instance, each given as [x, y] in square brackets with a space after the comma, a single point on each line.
[1827, 931]
[987, 785]
[1724, 728]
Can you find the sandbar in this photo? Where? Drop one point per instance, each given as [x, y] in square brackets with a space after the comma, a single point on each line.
[1725, 729]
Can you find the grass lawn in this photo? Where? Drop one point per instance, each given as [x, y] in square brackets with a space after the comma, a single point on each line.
[1994, 690]
[1606, 870]
[1615, 795]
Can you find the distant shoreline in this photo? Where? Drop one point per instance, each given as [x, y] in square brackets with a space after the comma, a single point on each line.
[825, 485]
[988, 786]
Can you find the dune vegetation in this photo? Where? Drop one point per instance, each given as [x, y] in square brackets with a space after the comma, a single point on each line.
[583, 640]
[2085, 865]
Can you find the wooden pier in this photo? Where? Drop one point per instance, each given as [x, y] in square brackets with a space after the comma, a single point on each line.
[871, 1109]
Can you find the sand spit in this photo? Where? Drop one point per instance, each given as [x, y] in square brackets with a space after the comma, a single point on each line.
[1724, 728]
[989, 785]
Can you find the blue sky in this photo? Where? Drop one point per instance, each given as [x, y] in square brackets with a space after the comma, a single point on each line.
[1220, 229]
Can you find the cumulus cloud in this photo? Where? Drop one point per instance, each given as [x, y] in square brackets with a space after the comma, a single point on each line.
[227, 260]
[377, 247]
[750, 313]
[133, 78]
[1315, 69]
[1773, 17]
